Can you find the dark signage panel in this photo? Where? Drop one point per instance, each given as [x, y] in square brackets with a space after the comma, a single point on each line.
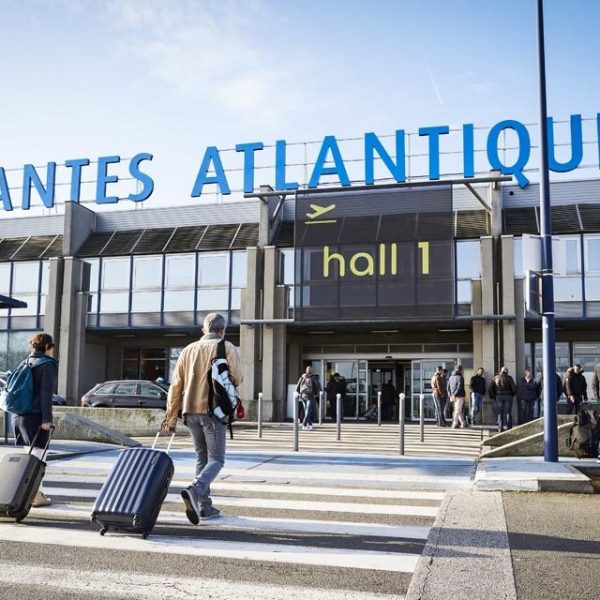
[377, 255]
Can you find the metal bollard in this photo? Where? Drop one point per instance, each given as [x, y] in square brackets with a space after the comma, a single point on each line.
[379, 408]
[321, 402]
[295, 421]
[259, 414]
[401, 411]
[6, 425]
[422, 416]
[338, 416]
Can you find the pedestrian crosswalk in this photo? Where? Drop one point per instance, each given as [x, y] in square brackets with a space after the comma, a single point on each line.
[293, 525]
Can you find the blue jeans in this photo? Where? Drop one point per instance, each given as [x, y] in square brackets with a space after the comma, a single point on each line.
[476, 404]
[308, 410]
[208, 435]
[504, 410]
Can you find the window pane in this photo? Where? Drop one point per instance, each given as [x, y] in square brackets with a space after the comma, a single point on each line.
[212, 299]
[45, 276]
[573, 255]
[126, 389]
[518, 257]
[32, 306]
[592, 288]
[468, 263]
[180, 270]
[287, 258]
[115, 274]
[213, 269]
[464, 292]
[238, 267]
[114, 302]
[147, 272]
[182, 300]
[4, 278]
[592, 245]
[131, 353]
[587, 354]
[25, 277]
[144, 302]
[105, 390]
[154, 353]
[567, 288]
[131, 369]
[95, 265]
[236, 299]
[147, 389]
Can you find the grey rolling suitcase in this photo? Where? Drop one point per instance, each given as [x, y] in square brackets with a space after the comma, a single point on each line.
[20, 477]
[134, 491]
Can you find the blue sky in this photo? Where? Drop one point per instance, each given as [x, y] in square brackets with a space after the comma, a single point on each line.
[83, 78]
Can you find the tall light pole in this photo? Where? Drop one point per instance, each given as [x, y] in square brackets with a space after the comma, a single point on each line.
[548, 334]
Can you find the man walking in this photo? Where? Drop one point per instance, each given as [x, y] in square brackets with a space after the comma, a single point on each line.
[308, 389]
[189, 393]
[439, 392]
[477, 387]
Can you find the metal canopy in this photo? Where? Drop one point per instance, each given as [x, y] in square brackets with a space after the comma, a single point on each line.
[8, 302]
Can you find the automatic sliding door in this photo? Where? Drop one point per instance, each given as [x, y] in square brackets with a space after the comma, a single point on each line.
[355, 374]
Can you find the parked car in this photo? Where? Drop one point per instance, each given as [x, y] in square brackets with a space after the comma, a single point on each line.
[127, 393]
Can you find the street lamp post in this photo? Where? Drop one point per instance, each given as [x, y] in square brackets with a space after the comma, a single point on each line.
[548, 337]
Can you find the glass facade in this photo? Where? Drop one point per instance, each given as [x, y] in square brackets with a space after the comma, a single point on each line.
[165, 290]
[468, 267]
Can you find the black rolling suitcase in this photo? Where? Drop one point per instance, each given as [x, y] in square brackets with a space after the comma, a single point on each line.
[20, 479]
[134, 491]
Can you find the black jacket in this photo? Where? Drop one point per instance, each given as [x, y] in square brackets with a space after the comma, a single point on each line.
[502, 385]
[477, 384]
[576, 385]
[529, 390]
[44, 374]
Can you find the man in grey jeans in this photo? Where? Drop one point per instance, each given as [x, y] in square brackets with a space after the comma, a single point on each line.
[189, 394]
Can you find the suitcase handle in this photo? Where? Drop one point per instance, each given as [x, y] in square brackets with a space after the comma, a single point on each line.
[47, 442]
[170, 441]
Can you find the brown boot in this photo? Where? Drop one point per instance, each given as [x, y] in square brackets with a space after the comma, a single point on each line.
[41, 500]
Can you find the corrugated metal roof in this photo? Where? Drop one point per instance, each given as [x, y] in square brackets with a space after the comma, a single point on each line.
[247, 211]
[16, 227]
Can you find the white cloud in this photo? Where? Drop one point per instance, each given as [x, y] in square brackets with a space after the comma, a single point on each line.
[230, 53]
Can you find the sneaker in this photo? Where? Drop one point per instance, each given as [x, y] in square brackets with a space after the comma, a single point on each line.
[304, 427]
[191, 509]
[309, 427]
[209, 513]
[41, 500]
[454, 425]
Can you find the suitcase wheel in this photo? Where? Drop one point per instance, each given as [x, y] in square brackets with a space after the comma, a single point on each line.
[103, 530]
[145, 535]
[21, 516]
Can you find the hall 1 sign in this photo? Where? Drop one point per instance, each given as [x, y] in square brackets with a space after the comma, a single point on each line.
[353, 264]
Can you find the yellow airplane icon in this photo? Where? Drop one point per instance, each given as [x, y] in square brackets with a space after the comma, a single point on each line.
[319, 210]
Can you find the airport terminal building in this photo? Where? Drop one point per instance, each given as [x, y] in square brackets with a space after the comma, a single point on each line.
[386, 285]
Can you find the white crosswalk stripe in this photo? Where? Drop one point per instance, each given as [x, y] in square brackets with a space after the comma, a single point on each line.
[352, 517]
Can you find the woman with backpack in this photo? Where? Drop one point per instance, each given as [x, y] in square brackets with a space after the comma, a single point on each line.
[502, 390]
[44, 372]
[308, 389]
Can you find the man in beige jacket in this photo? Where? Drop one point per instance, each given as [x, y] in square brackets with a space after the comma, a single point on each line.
[188, 394]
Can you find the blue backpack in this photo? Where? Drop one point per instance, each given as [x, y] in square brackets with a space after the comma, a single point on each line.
[17, 397]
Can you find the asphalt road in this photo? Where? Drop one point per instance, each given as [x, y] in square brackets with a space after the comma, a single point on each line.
[555, 545]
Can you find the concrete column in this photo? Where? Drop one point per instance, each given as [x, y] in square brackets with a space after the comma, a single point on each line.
[73, 317]
[509, 358]
[80, 222]
[54, 298]
[496, 204]
[488, 290]
[250, 335]
[274, 339]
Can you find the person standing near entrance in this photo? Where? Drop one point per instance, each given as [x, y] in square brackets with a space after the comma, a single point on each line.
[477, 387]
[439, 393]
[503, 390]
[529, 395]
[456, 389]
[189, 393]
[576, 389]
[388, 400]
[308, 389]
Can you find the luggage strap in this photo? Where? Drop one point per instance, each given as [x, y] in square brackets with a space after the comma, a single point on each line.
[170, 441]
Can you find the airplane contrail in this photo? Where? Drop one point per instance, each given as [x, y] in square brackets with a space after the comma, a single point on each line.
[433, 83]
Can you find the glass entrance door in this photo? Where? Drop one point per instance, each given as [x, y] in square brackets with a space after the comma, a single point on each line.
[421, 373]
[354, 373]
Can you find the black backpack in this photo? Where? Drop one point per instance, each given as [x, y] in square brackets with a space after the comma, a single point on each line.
[222, 394]
[584, 435]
